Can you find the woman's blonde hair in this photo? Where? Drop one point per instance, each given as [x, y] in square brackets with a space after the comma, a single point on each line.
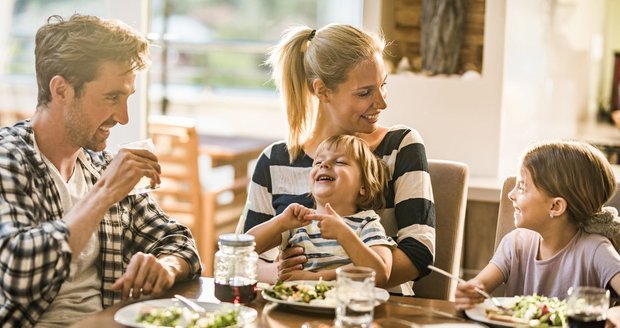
[374, 172]
[579, 173]
[75, 49]
[304, 55]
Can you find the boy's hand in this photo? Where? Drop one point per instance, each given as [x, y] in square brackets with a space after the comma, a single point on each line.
[294, 216]
[331, 224]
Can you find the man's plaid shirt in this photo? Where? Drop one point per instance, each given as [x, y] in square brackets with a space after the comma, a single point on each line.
[34, 248]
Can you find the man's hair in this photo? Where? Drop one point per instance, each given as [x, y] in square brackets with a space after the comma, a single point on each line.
[374, 172]
[75, 49]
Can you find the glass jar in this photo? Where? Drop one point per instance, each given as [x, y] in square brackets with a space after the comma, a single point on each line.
[236, 264]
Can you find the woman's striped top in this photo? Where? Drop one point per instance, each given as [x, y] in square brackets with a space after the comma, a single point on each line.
[409, 216]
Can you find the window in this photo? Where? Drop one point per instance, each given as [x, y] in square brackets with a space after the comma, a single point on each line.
[21, 19]
[20, 45]
[212, 51]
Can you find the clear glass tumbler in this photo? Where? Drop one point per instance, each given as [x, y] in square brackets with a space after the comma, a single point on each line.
[355, 297]
[586, 307]
[144, 185]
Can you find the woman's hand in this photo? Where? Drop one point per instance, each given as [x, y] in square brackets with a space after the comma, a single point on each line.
[308, 275]
[467, 296]
[291, 260]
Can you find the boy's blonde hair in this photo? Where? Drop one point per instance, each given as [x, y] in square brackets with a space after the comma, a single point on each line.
[374, 172]
[579, 173]
[304, 55]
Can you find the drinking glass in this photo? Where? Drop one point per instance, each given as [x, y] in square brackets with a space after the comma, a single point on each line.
[586, 307]
[355, 297]
[144, 185]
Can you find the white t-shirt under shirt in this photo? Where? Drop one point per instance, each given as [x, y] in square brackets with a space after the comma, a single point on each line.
[80, 294]
[587, 260]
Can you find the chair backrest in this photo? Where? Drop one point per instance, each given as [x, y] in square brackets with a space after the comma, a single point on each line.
[207, 213]
[450, 182]
[12, 116]
[505, 216]
[176, 147]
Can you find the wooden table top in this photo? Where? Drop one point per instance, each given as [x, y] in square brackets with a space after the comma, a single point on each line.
[235, 151]
[420, 311]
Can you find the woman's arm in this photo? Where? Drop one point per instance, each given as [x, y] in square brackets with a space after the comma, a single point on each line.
[402, 270]
[379, 258]
[414, 212]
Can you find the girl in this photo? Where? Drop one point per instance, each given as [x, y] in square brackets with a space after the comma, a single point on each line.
[346, 179]
[332, 81]
[562, 226]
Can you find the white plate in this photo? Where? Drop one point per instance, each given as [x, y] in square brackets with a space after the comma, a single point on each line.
[455, 325]
[381, 295]
[479, 314]
[128, 314]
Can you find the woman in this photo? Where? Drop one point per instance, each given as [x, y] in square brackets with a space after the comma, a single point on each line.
[333, 82]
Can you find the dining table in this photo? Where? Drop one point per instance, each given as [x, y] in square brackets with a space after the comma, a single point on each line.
[236, 151]
[396, 309]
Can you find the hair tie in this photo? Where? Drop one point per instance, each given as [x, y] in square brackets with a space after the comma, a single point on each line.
[311, 36]
[605, 222]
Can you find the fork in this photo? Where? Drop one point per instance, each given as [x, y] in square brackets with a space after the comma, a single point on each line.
[486, 295]
[190, 304]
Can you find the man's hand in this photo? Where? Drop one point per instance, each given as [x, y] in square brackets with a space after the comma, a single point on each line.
[331, 224]
[146, 275]
[126, 169]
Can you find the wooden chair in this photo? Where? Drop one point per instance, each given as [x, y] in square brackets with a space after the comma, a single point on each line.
[505, 216]
[181, 194]
[12, 116]
[450, 181]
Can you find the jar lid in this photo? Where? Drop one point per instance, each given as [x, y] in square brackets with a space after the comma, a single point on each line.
[238, 240]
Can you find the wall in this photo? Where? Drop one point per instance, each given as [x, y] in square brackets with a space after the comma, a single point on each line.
[540, 79]
[550, 71]
[458, 118]
[612, 45]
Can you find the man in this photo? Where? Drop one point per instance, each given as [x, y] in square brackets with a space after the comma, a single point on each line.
[71, 241]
